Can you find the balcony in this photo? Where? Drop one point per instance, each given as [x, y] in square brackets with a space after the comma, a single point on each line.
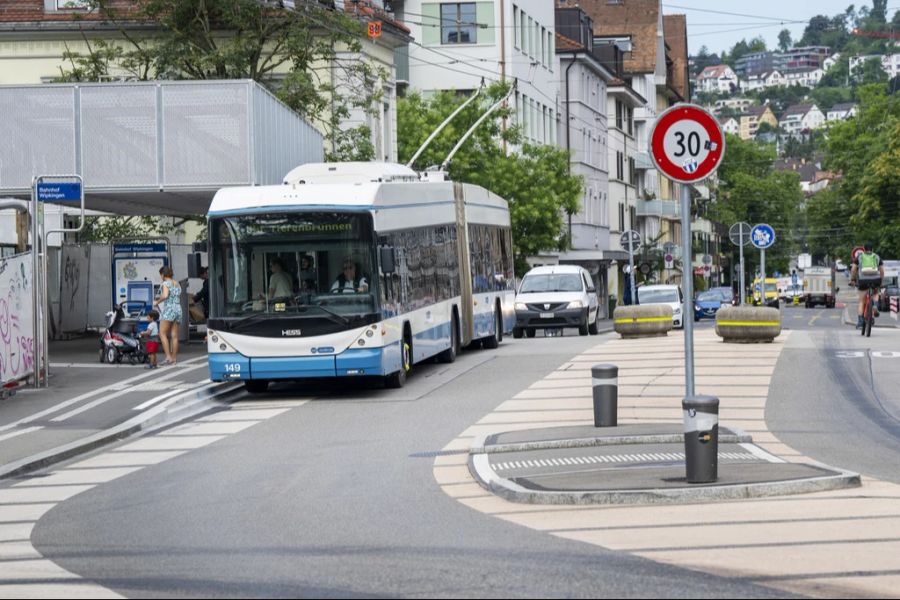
[667, 209]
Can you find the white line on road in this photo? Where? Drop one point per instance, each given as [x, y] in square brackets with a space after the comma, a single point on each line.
[85, 396]
[13, 434]
[90, 405]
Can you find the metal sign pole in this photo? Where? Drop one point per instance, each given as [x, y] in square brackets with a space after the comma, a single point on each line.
[688, 280]
[762, 277]
[35, 292]
[634, 299]
[742, 288]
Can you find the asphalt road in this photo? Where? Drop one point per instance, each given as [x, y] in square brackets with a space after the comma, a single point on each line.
[843, 406]
[336, 498]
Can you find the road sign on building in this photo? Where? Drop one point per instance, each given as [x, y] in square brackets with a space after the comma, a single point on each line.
[686, 143]
[762, 236]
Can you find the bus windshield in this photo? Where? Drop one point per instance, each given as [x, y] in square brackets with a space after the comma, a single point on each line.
[311, 266]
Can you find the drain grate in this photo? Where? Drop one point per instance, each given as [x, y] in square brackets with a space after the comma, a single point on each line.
[574, 461]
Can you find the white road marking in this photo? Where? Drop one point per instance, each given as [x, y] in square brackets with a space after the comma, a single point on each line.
[13, 434]
[95, 403]
[179, 392]
[67, 403]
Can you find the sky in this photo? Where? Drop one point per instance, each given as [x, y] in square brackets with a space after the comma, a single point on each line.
[752, 18]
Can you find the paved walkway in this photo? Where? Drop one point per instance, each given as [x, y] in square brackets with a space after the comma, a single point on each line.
[841, 543]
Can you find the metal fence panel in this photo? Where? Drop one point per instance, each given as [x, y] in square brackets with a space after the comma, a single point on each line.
[119, 125]
[16, 318]
[37, 132]
[281, 140]
[206, 134]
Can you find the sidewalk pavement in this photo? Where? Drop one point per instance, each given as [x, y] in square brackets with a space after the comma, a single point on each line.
[88, 403]
[833, 543]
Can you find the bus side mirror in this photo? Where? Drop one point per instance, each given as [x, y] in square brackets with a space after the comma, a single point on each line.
[386, 258]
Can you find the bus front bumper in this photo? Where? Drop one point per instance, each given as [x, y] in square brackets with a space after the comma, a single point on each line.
[229, 366]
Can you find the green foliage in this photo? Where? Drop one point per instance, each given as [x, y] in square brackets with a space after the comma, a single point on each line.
[106, 229]
[292, 52]
[535, 180]
[826, 97]
[781, 97]
[742, 48]
[784, 40]
[749, 190]
[865, 203]
[870, 71]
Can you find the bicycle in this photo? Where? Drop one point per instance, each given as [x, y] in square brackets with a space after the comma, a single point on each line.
[868, 314]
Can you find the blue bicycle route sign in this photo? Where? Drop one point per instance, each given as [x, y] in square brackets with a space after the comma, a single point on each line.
[762, 236]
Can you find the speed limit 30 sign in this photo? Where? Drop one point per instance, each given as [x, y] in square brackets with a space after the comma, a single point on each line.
[686, 143]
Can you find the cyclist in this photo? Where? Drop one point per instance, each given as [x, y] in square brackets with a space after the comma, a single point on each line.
[867, 272]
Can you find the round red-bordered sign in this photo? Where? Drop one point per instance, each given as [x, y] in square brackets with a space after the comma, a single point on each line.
[686, 143]
[856, 252]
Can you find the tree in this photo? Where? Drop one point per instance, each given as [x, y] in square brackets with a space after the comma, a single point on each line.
[865, 150]
[870, 71]
[826, 97]
[784, 40]
[535, 181]
[294, 53]
[748, 190]
[107, 229]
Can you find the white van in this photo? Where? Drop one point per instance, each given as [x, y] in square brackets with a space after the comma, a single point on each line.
[554, 297]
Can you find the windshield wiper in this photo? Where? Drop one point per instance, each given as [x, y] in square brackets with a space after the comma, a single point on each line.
[239, 324]
[336, 317]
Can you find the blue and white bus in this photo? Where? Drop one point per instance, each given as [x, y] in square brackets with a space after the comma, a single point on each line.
[433, 265]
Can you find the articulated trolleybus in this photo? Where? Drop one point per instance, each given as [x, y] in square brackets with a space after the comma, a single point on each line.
[354, 269]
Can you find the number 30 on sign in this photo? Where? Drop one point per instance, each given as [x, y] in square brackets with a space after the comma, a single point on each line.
[686, 143]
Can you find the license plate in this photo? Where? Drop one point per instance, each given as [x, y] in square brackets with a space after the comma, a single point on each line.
[547, 315]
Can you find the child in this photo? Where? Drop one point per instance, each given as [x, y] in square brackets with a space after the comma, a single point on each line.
[152, 335]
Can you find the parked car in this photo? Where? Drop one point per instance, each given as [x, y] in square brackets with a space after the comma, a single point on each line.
[707, 304]
[839, 266]
[554, 297]
[664, 294]
[884, 301]
[727, 294]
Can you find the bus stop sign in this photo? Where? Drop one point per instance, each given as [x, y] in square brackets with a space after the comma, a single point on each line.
[687, 143]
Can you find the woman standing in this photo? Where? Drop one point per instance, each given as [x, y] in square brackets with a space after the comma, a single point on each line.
[169, 302]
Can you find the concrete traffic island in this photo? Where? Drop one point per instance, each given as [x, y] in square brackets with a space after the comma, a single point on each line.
[651, 320]
[634, 464]
[748, 324]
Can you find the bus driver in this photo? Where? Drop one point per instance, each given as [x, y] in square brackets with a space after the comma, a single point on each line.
[348, 281]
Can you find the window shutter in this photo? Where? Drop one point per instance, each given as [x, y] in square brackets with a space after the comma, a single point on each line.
[431, 24]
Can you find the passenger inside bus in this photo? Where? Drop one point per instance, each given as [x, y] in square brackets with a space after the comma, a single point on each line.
[280, 284]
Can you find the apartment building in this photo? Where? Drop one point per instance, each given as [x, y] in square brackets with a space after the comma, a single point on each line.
[457, 44]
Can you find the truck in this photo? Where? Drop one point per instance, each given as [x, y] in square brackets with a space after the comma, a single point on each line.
[818, 287]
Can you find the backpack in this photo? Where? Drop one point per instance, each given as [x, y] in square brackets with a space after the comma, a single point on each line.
[868, 261]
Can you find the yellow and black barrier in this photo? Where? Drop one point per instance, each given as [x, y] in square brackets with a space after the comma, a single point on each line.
[748, 324]
[649, 320]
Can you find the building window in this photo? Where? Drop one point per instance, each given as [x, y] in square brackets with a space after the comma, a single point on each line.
[517, 31]
[632, 172]
[458, 23]
[620, 115]
[523, 32]
[620, 166]
[530, 50]
[544, 60]
[629, 117]
[621, 217]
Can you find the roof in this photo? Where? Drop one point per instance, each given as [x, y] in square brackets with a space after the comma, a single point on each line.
[713, 72]
[843, 106]
[638, 19]
[366, 8]
[675, 29]
[724, 120]
[566, 44]
[757, 111]
[798, 109]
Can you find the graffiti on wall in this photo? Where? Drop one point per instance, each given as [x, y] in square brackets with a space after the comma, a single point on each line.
[16, 318]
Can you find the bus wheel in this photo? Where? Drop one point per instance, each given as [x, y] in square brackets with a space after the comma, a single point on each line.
[256, 386]
[493, 342]
[449, 355]
[398, 380]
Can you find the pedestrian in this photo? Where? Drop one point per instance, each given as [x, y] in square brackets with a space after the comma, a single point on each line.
[152, 335]
[202, 297]
[169, 301]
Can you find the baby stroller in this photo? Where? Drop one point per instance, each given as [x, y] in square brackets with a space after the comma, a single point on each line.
[120, 338]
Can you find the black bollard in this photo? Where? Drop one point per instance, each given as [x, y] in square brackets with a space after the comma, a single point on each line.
[605, 381]
[701, 438]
